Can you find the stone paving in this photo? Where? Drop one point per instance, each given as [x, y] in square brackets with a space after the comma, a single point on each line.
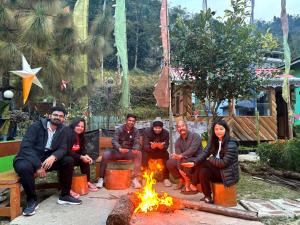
[97, 206]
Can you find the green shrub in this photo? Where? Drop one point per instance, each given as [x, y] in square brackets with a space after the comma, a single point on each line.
[281, 155]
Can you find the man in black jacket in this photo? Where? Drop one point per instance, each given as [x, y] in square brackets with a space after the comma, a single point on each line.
[43, 148]
[155, 146]
[126, 143]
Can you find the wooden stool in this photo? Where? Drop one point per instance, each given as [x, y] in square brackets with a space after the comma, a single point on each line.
[80, 185]
[117, 179]
[224, 196]
[10, 180]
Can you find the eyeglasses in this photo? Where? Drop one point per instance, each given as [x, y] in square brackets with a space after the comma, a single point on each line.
[59, 116]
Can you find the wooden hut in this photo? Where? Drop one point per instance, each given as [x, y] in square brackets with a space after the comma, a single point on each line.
[273, 120]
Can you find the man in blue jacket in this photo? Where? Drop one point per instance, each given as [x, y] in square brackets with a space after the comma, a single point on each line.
[44, 148]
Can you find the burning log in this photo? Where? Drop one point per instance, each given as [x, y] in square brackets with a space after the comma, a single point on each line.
[237, 213]
[122, 212]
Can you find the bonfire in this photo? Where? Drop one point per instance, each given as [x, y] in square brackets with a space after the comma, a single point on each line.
[149, 199]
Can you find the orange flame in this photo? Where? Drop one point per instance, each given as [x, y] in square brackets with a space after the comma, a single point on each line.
[155, 165]
[150, 200]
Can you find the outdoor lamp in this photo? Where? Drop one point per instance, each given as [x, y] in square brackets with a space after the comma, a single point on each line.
[110, 82]
[8, 94]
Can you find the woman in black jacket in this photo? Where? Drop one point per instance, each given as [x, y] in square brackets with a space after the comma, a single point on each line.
[76, 147]
[222, 164]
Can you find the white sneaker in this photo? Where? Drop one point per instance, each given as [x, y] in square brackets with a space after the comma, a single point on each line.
[136, 184]
[100, 183]
[167, 183]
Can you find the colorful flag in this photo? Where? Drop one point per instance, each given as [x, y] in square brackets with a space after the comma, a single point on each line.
[80, 18]
[164, 30]
[287, 52]
[121, 44]
[161, 91]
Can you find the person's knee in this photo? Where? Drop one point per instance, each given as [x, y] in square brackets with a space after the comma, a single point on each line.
[68, 161]
[203, 172]
[106, 156]
[23, 167]
[171, 163]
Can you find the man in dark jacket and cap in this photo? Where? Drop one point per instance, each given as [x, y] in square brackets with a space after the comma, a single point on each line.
[43, 148]
[156, 143]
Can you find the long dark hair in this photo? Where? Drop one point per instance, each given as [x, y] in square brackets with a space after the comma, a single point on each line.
[72, 126]
[214, 141]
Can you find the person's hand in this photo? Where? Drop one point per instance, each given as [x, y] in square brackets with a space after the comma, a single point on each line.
[135, 151]
[48, 162]
[153, 145]
[123, 150]
[177, 156]
[188, 164]
[211, 158]
[86, 159]
[75, 147]
[161, 145]
[41, 172]
[89, 158]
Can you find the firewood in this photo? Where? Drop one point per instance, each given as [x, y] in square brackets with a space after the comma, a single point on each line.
[122, 212]
[237, 213]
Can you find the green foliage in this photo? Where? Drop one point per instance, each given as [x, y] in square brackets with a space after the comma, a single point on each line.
[274, 27]
[77, 111]
[218, 53]
[281, 155]
[106, 102]
[44, 33]
[144, 113]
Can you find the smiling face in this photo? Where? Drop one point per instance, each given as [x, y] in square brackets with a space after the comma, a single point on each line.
[130, 122]
[79, 128]
[182, 128]
[219, 131]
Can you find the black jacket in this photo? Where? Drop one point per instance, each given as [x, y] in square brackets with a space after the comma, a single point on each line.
[150, 136]
[228, 162]
[71, 140]
[126, 139]
[33, 144]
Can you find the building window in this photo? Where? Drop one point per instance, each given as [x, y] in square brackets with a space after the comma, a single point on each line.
[246, 107]
[264, 103]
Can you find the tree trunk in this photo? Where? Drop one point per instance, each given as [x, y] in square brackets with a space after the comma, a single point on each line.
[102, 70]
[237, 213]
[136, 48]
[5, 80]
[122, 212]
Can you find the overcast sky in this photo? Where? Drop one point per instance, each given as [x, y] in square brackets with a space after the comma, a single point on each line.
[264, 9]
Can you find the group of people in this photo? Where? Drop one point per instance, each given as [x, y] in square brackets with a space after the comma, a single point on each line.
[50, 145]
[190, 164]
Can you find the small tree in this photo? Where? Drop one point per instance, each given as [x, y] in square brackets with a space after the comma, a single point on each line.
[219, 54]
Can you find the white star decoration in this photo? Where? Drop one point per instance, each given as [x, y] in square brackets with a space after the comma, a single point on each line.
[27, 72]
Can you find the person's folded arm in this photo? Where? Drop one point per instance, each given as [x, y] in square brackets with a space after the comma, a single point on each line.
[229, 156]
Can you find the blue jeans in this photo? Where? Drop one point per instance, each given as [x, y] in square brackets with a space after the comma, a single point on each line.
[113, 154]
